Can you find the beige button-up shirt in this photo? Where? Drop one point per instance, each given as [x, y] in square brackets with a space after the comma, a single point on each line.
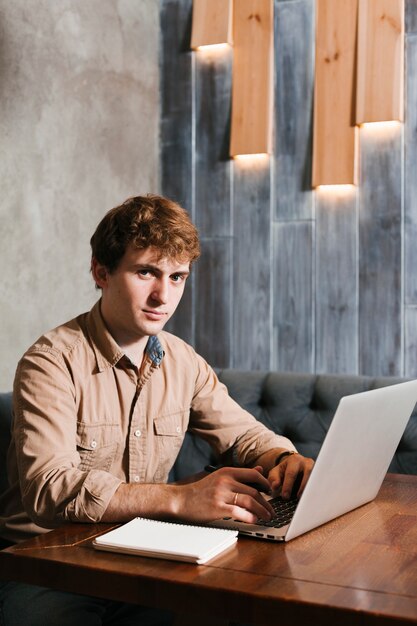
[86, 420]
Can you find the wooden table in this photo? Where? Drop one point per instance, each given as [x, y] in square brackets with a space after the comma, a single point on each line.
[358, 569]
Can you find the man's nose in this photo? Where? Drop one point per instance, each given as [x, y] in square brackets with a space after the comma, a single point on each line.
[160, 292]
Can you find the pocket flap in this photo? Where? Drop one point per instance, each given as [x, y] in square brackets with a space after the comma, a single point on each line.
[93, 436]
[169, 425]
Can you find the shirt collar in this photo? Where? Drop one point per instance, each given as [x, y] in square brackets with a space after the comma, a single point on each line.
[106, 350]
[154, 350]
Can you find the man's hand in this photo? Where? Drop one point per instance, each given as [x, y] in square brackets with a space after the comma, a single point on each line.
[291, 474]
[228, 492]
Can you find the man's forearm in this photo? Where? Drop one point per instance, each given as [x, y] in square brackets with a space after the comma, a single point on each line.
[213, 496]
[156, 501]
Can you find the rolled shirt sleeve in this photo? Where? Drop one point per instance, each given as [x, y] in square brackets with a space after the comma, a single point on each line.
[229, 428]
[54, 484]
[84, 423]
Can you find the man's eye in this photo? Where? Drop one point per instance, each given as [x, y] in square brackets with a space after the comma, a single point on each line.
[177, 278]
[144, 272]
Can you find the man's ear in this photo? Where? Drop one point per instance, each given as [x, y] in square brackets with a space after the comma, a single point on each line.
[99, 272]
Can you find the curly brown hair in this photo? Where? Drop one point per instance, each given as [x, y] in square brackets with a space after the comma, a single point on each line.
[145, 221]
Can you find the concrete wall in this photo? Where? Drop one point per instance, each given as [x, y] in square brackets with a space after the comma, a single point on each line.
[78, 134]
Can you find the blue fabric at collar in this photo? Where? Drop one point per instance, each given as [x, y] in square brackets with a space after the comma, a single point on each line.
[154, 350]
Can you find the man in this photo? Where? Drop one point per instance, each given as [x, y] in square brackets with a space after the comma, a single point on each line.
[102, 403]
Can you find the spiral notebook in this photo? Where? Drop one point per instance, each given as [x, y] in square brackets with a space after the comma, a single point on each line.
[167, 540]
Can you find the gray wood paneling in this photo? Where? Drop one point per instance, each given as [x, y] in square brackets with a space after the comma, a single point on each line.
[251, 266]
[411, 16]
[336, 283]
[213, 300]
[293, 296]
[380, 293]
[301, 288]
[294, 70]
[410, 367]
[176, 128]
[410, 169]
[176, 101]
[213, 166]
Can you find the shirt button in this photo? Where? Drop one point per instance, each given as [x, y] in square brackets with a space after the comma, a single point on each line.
[137, 433]
[178, 429]
[136, 479]
[94, 444]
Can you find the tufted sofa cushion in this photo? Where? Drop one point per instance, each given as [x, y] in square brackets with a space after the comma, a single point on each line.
[300, 407]
[5, 423]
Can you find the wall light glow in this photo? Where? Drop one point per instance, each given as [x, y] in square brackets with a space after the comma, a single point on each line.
[252, 161]
[214, 47]
[381, 126]
[381, 132]
[248, 157]
[336, 189]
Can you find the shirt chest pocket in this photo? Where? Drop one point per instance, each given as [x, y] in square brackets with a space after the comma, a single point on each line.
[169, 431]
[97, 445]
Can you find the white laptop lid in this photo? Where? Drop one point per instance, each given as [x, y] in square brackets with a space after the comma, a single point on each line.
[352, 462]
[355, 455]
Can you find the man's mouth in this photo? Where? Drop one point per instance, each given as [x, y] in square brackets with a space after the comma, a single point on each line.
[154, 315]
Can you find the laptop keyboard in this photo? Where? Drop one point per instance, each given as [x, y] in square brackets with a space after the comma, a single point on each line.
[284, 510]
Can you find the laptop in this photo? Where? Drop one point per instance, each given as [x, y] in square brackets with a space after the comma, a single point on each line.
[351, 465]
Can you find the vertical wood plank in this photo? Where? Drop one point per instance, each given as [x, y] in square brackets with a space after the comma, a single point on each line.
[176, 128]
[294, 71]
[212, 162]
[411, 16]
[380, 63]
[251, 265]
[410, 192]
[380, 289]
[410, 183]
[252, 77]
[334, 96]
[410, 366]
[336, 283]
[213, 298]
[212, 22]
[176, 101]
[293, 296]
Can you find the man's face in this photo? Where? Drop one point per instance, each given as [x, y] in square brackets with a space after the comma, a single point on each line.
[141, 295]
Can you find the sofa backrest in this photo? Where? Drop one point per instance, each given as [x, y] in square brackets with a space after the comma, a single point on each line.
[300, 407]
[5, 423]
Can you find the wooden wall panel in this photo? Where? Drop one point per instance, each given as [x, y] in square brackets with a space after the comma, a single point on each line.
[410, 169]
[410, 194]
[336, 284]
[176, 101]
[410, 341]
[380, 65]
[334, 131]
[251, 265]
[213, 166]
[212, 22]
[291, 302]
[176, 128]
[380, 262]
[251, 131]
[410, 16]
[213, 301]
[292, 268]
[294, 71]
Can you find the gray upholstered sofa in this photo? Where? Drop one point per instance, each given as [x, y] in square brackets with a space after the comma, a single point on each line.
[299, 406]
